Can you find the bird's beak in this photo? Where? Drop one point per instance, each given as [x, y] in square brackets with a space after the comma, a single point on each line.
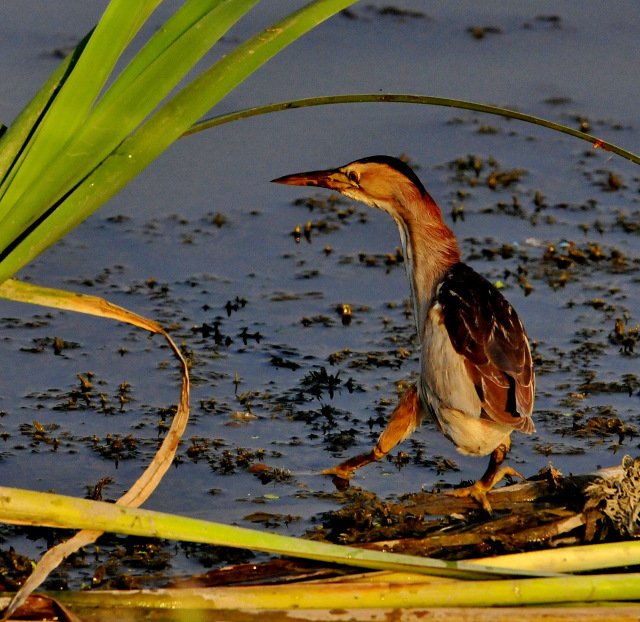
[333, 179]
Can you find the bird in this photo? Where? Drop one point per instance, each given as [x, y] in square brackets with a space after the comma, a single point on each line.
[476, 378]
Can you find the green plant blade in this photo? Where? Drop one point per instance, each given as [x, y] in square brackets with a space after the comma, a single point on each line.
[394, 98]
[16, 137]
[143, 84]
[45, 509]
[182, 23]
[71, 106]
[159, 66]
[156, 134]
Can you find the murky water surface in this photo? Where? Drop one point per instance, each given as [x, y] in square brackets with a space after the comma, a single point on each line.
[202, 242]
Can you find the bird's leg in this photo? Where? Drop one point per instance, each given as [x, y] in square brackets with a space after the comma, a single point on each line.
[494, 473]
[404, 420]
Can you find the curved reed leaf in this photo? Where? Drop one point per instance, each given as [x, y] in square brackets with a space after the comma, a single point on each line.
[395, 98]
[142, 488]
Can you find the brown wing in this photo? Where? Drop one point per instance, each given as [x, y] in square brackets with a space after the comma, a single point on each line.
[484, 328]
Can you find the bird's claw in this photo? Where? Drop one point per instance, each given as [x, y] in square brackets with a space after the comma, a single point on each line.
[339, 471]
[341, 476]
[508, 471]
[478, 491]
[347, 468]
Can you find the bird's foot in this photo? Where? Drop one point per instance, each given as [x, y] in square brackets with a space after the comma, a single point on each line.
[347, 468]
[338, 471]
[478, 491]
[404, 420]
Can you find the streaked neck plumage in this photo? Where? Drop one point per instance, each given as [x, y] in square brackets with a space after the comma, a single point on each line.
[428, 245]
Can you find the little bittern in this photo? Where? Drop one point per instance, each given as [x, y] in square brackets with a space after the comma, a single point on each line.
[476, 374]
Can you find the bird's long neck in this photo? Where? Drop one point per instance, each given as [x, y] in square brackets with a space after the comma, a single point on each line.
[430, 249]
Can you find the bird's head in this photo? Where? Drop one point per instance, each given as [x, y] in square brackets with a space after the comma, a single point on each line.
[379, 181]
[428, 245]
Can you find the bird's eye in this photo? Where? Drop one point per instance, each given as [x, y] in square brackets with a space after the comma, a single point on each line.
[353, 177]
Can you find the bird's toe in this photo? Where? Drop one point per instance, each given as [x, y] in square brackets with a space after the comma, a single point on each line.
[339, 471]
[347, 468]
[477, 492]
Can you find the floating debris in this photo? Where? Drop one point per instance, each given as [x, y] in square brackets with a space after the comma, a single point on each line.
[480, 32]
[618, 498]
[345, 313]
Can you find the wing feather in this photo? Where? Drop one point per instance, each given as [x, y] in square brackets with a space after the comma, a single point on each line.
[485, 329]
